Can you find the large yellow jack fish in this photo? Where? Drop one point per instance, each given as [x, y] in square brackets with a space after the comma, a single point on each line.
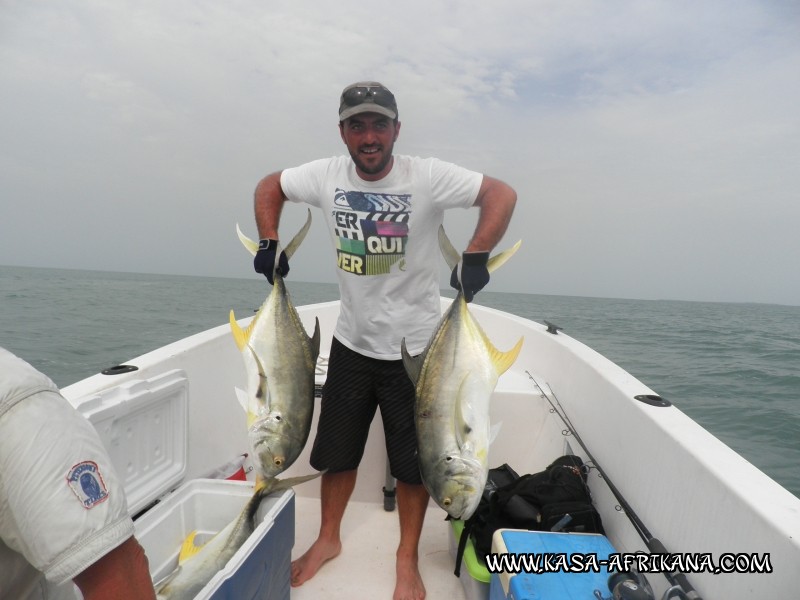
[198, 564]
[280, 359]
[454, 379]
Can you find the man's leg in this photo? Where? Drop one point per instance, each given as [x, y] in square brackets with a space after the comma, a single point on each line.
[346, 411]
[412, 502]
[336, 490]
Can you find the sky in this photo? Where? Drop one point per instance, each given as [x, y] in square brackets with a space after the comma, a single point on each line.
[654, 145]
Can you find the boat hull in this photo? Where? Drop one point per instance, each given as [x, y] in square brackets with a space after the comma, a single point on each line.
[693, 492]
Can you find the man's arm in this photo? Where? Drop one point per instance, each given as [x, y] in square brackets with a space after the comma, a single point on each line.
[268, 203]
[496, 201]
[122, 574]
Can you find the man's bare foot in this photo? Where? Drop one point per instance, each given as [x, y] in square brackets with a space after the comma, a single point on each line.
[320, 552]
[409, 584]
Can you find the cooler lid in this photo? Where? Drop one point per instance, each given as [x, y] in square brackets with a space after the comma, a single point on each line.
[143, 424]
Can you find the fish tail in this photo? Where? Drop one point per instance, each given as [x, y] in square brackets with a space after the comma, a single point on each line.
[298, 238]
[452, 256]
[499, 260]
[189, 548]
[273, 484]
[252, 245]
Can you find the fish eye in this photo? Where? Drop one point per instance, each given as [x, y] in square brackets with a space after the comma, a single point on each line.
[278, 462]
[447, 501]
[448, 458]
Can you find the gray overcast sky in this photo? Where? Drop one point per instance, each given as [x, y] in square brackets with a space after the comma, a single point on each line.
[655, 146]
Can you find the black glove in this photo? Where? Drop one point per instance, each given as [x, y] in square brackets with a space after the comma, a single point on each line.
[264, 261]
[470, 275]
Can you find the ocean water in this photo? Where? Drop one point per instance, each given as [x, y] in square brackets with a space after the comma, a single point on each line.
[734, 368]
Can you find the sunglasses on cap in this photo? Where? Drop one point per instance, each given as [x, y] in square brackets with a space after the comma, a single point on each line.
[358, 95]
[364, 93]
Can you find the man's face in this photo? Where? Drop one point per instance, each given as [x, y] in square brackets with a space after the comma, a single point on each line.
[370, 138]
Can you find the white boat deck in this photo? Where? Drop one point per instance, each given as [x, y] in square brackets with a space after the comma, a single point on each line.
[685, 485]
[365, 568]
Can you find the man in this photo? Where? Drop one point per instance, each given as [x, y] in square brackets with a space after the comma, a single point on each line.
[63, 513]
[383, 212]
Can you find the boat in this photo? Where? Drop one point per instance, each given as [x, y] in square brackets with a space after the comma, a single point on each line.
[663, 485]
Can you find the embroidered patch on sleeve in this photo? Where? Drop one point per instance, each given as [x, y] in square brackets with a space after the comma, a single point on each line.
[87, 483]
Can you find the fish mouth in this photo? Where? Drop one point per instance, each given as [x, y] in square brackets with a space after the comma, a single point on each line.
[459, 485]
[275, 453]
[263, 449]
[461, 503]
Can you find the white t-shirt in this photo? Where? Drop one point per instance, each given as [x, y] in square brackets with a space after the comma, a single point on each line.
[386, 238]
[61, 503]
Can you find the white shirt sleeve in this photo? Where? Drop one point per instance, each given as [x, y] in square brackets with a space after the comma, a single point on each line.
[62, 505]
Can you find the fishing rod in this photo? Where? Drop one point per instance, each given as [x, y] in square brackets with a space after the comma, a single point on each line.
[677, 580]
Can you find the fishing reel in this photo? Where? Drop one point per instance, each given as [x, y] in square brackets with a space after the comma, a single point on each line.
[630, 585]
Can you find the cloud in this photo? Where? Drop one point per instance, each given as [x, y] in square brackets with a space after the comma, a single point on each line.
[653, 144]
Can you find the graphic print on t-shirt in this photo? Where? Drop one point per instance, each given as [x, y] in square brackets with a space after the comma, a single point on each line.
[371, 231]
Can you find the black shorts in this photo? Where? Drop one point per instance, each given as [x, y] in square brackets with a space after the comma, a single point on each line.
[356, 385]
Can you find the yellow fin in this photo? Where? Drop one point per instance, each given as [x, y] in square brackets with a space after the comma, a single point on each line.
[299, 237]
[188, 548]
[452, 256]
[498, 261]
[250, 245]
[240, 336]
[261, 483]
[502, 361]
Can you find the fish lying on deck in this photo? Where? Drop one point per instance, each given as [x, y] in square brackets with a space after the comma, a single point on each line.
[454, 379]
[280, 359]
[197, 565]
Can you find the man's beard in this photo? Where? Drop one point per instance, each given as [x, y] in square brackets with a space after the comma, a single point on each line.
[377, 168]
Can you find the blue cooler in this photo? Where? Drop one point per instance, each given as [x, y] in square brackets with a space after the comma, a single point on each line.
[555, 585]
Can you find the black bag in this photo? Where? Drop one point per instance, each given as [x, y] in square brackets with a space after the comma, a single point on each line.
[556, 499]
[482, 520]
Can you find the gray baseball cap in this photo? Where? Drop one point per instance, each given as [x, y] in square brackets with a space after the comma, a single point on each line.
[367, 96]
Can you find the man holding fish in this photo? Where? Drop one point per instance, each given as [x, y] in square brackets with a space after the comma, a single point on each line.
[384, 212]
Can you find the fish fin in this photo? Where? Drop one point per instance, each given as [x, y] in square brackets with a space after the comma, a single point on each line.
[315, 340]
[494, 432]
[462, 428]
[451, 255]
[273, 484]
[162, 583]
[240, 336]
[189, 548]
[241, 396]
[502, 361]
[251, 245]
[298, 238]
[499, 260]
[413, 364]
[262, 392]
